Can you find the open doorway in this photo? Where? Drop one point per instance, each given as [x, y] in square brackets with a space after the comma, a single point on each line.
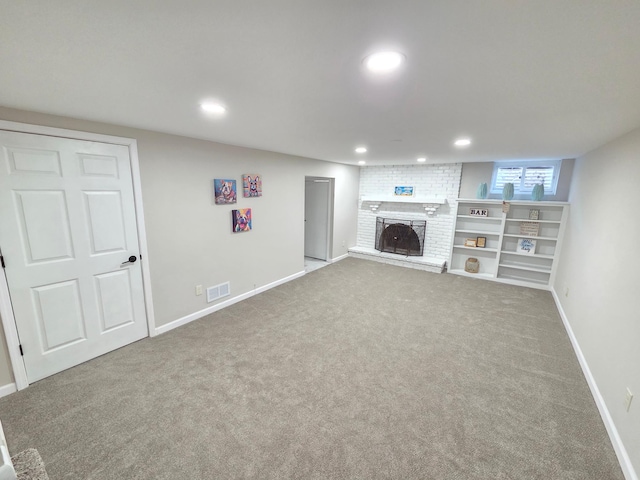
[318, 212]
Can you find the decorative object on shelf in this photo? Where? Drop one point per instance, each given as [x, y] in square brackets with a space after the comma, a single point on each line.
[505, 207]
[534, 214]
[470, 242]
[526, 245]
[529, 229]
[251, 185]
[482, 191]
[224, 191]
[538, 192]
[507, 191]
[403, 191]
[481, 242]
[472, 265]
[241, 220]
[478, 212]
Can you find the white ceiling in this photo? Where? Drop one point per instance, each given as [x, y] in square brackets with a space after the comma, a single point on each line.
[523, 78]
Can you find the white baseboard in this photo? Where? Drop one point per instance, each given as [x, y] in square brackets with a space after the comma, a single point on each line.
[7, 389]
[227, 303]
[337, 259]
[623, 457]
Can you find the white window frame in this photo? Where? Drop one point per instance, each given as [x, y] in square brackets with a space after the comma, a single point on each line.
[519, 189]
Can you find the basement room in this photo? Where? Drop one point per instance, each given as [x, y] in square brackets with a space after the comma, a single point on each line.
[304, 240]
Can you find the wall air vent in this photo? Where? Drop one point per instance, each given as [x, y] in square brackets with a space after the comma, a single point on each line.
[219, 291]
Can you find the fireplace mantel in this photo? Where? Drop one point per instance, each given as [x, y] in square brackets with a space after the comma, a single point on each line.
[430, 204]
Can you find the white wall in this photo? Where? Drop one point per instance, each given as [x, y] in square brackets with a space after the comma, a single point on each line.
[441, 180]
[189, 237]
[600, 265]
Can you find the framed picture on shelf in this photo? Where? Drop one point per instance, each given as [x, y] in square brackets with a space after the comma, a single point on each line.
[470, 242]
[534, 214]
[526, 246]
[481, 242]
[529, 229]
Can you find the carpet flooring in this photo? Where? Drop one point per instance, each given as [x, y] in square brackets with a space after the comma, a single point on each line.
[359, 370]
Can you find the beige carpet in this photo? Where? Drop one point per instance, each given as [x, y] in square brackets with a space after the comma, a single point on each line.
[358, 370]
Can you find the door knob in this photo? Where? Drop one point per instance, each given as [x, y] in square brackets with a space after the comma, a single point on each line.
[132, 259]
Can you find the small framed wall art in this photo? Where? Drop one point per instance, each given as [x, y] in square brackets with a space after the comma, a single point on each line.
[251, 185]
[481, 242]
[530, 229]
[526, 246]
[403, 191]
[470, 242]
[241, 220]
[224, 191]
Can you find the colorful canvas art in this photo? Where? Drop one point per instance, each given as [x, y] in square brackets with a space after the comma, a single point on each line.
[241, 220]
[224, 191]
[251, 185]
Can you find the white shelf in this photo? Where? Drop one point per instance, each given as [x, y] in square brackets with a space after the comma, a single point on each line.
[522, 280]
[430, 204]
[526, 268]
[401, 199]
[464, 273]
[501, 263]
[557, 222]
[529, 255]
[475, 217]
[480, 249]
[513, 235]
[496, 201]
[474, 232]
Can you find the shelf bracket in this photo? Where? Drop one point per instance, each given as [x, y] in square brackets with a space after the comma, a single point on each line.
[430, 208]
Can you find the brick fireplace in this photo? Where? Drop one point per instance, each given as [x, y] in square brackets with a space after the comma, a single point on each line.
[436, 189]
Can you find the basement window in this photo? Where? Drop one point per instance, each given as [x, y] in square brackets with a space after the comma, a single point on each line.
[525, 175]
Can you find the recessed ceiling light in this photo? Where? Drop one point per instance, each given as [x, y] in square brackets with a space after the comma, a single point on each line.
[462, 142]
[422, 159]
[361, 150]
[211, 107]
[383, 62]
[361, 162]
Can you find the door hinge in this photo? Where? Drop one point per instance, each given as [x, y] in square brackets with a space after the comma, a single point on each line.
[21, 352]
[2, 260]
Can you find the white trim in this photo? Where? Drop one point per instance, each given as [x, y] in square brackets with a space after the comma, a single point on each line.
[219, 306]
[8, 389]
[614, 436]
[142, 237]
[337, 259]
[11, 333]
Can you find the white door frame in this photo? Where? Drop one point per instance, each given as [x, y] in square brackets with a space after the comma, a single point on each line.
[6, 311]
[330, 195]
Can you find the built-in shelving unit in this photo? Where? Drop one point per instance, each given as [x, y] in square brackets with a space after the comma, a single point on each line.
[500, 259]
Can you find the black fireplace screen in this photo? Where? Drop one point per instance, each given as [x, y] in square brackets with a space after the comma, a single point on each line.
[404, 237]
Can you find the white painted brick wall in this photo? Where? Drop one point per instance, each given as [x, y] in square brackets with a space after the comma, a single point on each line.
[441, 180]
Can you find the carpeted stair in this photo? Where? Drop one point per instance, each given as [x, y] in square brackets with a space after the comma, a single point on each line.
[29, 465]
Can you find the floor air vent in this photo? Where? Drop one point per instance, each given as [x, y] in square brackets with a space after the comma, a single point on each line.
[219, 291]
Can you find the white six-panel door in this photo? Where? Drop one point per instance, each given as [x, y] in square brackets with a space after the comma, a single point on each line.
[67, 224]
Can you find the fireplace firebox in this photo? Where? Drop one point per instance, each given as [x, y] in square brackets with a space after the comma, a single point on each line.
[403, 237]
